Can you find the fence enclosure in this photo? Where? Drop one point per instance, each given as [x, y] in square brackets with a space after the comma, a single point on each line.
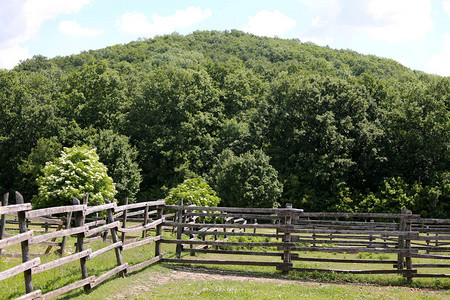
[284, 236]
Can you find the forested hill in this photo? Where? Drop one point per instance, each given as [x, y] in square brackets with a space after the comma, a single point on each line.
[263, 120]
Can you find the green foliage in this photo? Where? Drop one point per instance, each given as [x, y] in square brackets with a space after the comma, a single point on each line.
[247, 180]
[76, 172]
[343, 130]
[31, 168]
[194, 190]
[114, 150]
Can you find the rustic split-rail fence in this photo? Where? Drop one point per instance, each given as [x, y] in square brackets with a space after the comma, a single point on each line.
[285, 235]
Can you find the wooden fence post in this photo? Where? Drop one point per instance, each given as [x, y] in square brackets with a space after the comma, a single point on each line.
[3, 219]
[79, 222]
[144, 232]
[158, 229]
[118, 250]
[401, 241]
[179, 247]
[24, 245]
[408, 245]
[124, 221]
[64, 239]
[287, 239]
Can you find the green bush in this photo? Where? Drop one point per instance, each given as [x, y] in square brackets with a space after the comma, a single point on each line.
[247, 180]
[195, 190]
[76, 172]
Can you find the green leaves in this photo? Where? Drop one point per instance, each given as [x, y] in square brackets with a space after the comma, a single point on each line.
[247, 180]
[194, 190]
[76, 172]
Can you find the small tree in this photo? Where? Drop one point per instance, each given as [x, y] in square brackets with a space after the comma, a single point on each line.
[76, 172]
[247, 180]
[195, 190]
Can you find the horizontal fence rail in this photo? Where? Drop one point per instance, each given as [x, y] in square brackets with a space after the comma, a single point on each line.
[285, 237]
[87, 224]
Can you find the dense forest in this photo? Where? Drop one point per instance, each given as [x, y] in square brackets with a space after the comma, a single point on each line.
[263, 121]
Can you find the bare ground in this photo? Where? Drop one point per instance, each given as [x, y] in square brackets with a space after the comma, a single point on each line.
[183, 274]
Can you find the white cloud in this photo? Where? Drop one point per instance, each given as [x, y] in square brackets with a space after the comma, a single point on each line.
[36, 12]
[10, 56]
[137, 23]
[400, 20]
[75, 29]
[440, 62]
[268, 23]
[446, 7]
[383, 20]
[23, 20]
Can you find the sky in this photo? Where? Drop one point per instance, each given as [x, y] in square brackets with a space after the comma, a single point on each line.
[415, 33]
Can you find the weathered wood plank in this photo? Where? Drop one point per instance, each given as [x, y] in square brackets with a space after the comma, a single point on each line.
[104, 250]
[145, 263]
[68, 288]
[222, 243]
[94, 209]
[355, 271]
[30, 296]
[141, 243]
[47, 220]
[95, 223]
[343, 260]
[141, 227]
[231, 209]
[433, 221]
[166, 223]
[348, 249]
[431, 265]
[96, 230]
[432, 256]
[234, 252]
[108, 274]
[406, 234]
[20, 268]
[233, 215]
[15, 239]
[432, 238]
[223, 262]
[356, 215]
[54, 210]
[230, 233]
[432, 275]
[138, 205]
[60, 262]
[13, 208]
[65, 232]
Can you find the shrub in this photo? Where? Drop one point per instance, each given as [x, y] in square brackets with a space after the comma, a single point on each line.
[247, 180]
[195, 190]
[76, 172]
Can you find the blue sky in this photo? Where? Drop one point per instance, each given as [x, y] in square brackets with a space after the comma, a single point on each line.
[414, 32]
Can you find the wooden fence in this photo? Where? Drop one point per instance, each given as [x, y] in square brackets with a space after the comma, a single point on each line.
[284, 236]
[289, 234]
[87, 228]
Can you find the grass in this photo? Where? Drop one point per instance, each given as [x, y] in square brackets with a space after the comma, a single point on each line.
[142, 284]
[229, 289]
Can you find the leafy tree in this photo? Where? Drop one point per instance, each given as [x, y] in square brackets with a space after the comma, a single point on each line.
[173, 123]
[95, 96]
[247, 180]
[194, 190]
[31, 168]
[114, 150]
[76, 172]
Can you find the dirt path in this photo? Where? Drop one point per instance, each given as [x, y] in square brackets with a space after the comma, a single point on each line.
[142, 285]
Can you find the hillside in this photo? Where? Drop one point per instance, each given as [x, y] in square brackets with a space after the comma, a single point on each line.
[263, 120]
